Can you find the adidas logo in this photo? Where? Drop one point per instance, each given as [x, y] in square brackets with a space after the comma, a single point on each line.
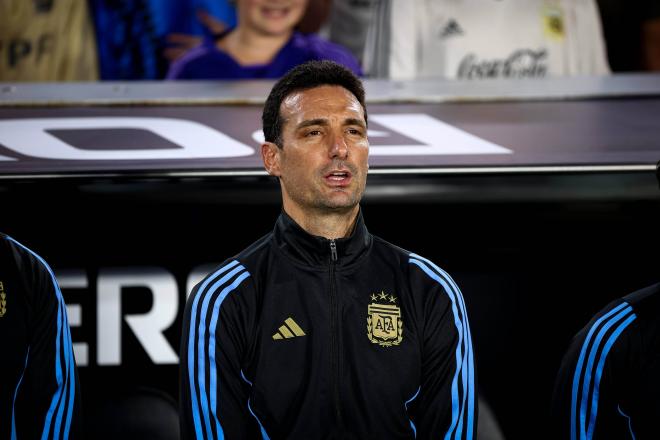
[289, 330]
[451, 28]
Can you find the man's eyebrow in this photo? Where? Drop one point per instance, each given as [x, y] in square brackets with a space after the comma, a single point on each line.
[354, 121]
[325, 122]
[310, 122]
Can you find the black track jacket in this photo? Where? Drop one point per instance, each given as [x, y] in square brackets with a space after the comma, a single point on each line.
[608, 386]
[39, 393]
[301, 337]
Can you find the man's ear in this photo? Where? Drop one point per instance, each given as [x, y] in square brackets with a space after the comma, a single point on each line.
[270, 154]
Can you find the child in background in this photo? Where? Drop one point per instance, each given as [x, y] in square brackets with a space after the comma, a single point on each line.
[264, 44]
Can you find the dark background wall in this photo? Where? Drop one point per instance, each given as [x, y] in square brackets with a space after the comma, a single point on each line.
[533, 268]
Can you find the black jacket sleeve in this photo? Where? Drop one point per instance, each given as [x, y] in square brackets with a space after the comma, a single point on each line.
[446, 405]
[216, 330]
[47, 402]
[588, 399]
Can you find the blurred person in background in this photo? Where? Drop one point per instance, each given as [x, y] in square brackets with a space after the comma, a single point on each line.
[476, 39]
[46, 40]
[204, 22]
[39, 394]
[178, 43]
[264, 44]
[632, 33]
[137, 38]
[349, 22]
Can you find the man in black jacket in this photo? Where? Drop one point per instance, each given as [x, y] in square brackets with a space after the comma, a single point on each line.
[39, 394]
[319, 329]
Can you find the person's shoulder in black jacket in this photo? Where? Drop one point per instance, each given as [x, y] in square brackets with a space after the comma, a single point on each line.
[39, 395]
[609, 380]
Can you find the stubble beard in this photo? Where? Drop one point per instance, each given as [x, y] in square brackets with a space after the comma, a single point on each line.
[317, 199]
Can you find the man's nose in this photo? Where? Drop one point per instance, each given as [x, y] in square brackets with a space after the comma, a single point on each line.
[339, 147]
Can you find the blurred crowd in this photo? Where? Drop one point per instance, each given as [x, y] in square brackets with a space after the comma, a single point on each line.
[87, 40]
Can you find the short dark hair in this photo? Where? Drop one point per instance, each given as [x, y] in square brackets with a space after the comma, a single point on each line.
[302, 77]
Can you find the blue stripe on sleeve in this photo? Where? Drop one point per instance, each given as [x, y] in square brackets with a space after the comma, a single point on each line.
[632, 434]
[199, 433]
[67, 380]
[466, 323]
[412, 425]
[72, 385]
[464, 375]
[459, 356]
[245, 378]
[590, 363]
[201, 352]
[470, 432]
[212, 362]
[462, 360]
[61, 321]
[58, 375]
[264, 435]
[599, 372]
[578, 368]
[470, 353]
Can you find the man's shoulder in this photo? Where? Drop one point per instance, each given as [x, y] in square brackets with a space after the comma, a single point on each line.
[26, 259]
[6, 245]
[640, 303]
[255, 251]
[30, 270]
[244, 261]
[607, 326]
[381, 242]
[418, 264]
[646, 302]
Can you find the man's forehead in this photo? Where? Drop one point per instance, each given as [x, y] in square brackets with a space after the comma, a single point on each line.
[319, 100]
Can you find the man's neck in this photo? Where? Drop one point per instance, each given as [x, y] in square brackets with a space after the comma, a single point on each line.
[249, 47]
[330, 225]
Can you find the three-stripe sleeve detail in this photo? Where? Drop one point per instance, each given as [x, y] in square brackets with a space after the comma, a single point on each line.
[462, 386]
[589, 368]
[58, 417]
[204, 318]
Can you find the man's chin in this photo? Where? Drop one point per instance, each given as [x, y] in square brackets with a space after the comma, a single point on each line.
[340, 204]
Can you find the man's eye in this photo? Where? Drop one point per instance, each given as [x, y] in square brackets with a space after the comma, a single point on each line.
[313, 132]
[355, 131]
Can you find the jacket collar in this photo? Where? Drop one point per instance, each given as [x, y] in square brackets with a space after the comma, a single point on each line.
[312, 250]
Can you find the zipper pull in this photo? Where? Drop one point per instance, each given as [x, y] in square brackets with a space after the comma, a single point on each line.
[333, 250]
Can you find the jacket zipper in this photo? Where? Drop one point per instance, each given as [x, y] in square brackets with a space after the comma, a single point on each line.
[334, 339]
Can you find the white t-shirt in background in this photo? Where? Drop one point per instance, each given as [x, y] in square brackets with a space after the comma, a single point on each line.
[476, 39]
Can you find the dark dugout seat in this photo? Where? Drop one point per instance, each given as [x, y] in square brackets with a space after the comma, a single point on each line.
[144, 413]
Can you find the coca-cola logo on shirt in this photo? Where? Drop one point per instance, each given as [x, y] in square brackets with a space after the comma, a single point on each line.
[523, 63]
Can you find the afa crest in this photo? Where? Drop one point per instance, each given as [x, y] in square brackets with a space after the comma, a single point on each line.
[384, 324]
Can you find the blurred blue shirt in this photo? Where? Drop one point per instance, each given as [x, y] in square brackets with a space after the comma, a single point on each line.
[130, 34]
